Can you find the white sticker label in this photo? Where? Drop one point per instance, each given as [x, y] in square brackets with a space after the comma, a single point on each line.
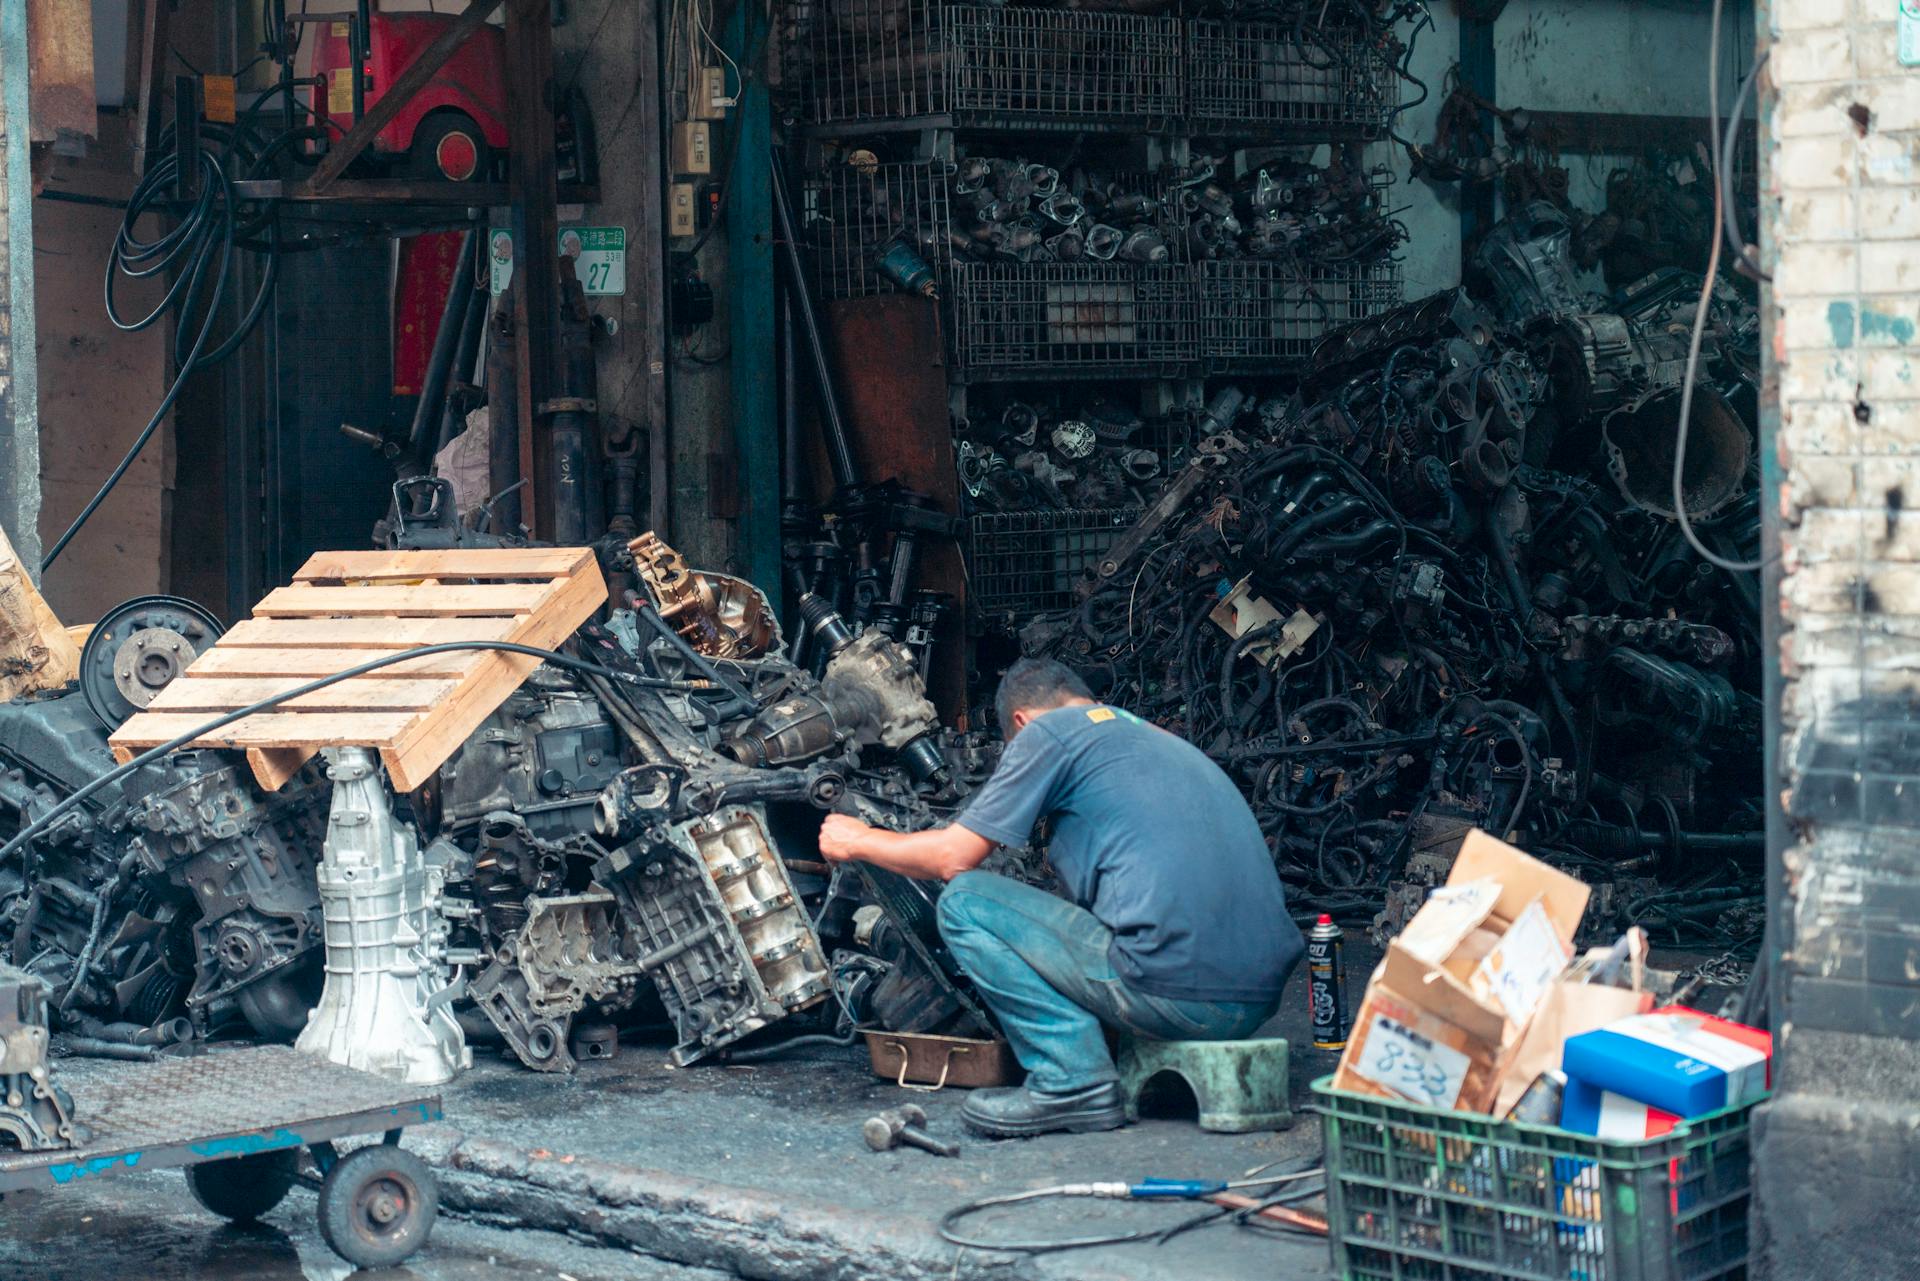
[599, 259]
[1399, 1059]
[1908, 37]
[1523, 964]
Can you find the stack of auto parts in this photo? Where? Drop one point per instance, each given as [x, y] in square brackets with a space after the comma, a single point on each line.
[1289, 210]
[1438, 588]
[1010, 209]
[179, 890]
[613, 839]
[36, 1113]
[1037, 456]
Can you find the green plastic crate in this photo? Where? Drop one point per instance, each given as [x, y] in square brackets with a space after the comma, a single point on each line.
[1420, 1194]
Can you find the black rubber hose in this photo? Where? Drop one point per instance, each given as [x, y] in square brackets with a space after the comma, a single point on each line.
[1327, 517]
[1355, 542]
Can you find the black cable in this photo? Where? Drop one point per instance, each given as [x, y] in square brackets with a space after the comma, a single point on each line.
[1723, 174]
[199, 251]
[112, 776]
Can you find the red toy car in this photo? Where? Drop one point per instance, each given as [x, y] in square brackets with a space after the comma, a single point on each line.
[451, 127]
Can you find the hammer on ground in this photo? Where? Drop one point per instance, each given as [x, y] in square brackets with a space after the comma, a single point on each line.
[889, 1129]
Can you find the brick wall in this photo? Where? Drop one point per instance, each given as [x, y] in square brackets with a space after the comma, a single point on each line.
[1838, 1151]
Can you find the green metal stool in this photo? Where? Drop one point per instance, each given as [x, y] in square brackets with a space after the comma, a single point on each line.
[1240, 1086]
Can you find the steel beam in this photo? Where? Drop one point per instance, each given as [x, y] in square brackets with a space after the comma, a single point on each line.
[531, 196]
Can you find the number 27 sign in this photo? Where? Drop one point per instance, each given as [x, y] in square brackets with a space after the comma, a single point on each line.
[599, 258]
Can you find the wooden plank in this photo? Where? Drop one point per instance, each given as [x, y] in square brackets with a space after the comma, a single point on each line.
[273, 766]
[308, 663]
[506, 562]
[268, 729]
[150, 50]
[36, 652]
[395, 96]
[306, 600]
[60, 69]
[425, 745]
[362, 633]
[357, 694]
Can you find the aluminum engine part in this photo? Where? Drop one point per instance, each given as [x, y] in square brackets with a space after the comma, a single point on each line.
[36, 1113]
[544, 754]
[387, 1005]
[877, 693]
[572, 950]
[719, 926]
[719, 615]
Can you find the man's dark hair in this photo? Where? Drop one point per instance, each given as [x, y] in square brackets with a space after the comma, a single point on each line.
[1035, 683]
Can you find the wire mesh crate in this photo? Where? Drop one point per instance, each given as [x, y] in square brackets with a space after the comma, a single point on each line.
[1420, 1194]
[1020, 564]
[1252, 80]
[1073, 320]
[1258, 313]
[873, 65]
[852, 214]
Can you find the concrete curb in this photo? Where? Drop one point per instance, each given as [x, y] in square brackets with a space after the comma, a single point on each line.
[752, 1233]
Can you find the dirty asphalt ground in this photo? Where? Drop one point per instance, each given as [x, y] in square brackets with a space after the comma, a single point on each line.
[634, 1170]
[147, 1227]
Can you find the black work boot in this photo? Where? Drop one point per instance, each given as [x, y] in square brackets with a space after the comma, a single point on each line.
[1023, 1112]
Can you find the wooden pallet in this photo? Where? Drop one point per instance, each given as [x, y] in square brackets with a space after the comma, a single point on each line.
[344, 608]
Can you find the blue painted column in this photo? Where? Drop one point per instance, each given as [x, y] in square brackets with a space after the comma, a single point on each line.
[19, 368]
[756, 433]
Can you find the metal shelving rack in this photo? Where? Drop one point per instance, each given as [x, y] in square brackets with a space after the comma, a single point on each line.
[871, 69]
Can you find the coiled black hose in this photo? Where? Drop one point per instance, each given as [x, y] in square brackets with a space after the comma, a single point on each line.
[199, 252]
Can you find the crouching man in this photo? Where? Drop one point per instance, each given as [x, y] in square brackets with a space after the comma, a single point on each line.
[1176, 929]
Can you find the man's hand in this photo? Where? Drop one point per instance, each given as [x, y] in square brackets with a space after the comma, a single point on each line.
[838, 837]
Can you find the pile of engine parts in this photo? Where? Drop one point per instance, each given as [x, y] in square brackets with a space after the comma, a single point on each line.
[1289, 209]
[1442, 586]
[633, 838]
[1010, 209]
[1032, 457]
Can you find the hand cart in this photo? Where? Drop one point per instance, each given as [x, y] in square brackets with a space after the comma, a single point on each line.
[237, 1120]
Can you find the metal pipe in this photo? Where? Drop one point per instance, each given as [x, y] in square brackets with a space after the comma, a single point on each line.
[792, 487]
[453, 412]
[503, 417]
[839, 447]
[579, 493]
[433, 390]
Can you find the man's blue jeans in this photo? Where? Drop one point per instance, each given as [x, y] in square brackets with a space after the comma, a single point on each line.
[1042, 965]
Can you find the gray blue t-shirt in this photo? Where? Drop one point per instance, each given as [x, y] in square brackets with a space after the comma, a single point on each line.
[1153, 839]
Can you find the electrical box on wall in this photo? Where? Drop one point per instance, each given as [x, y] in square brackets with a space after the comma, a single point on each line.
[712, 101]
[680, 206]
[692, 152]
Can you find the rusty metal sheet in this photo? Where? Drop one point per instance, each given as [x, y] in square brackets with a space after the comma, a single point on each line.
[889, 365]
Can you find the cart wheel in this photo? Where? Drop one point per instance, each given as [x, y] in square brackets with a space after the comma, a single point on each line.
[377, 1206]
[245, 1187]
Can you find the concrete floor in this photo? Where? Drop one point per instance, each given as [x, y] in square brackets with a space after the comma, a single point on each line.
[147, 1227]
[756, 1170]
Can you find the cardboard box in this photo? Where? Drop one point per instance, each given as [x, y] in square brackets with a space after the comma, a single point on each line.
[1444, 1015]
[1676, 1059]
[1587, 1109]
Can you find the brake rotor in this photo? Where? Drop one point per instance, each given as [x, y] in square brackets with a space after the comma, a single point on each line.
[137, 649]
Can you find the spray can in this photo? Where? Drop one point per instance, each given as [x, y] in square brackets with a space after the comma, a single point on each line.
[1327, 984]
